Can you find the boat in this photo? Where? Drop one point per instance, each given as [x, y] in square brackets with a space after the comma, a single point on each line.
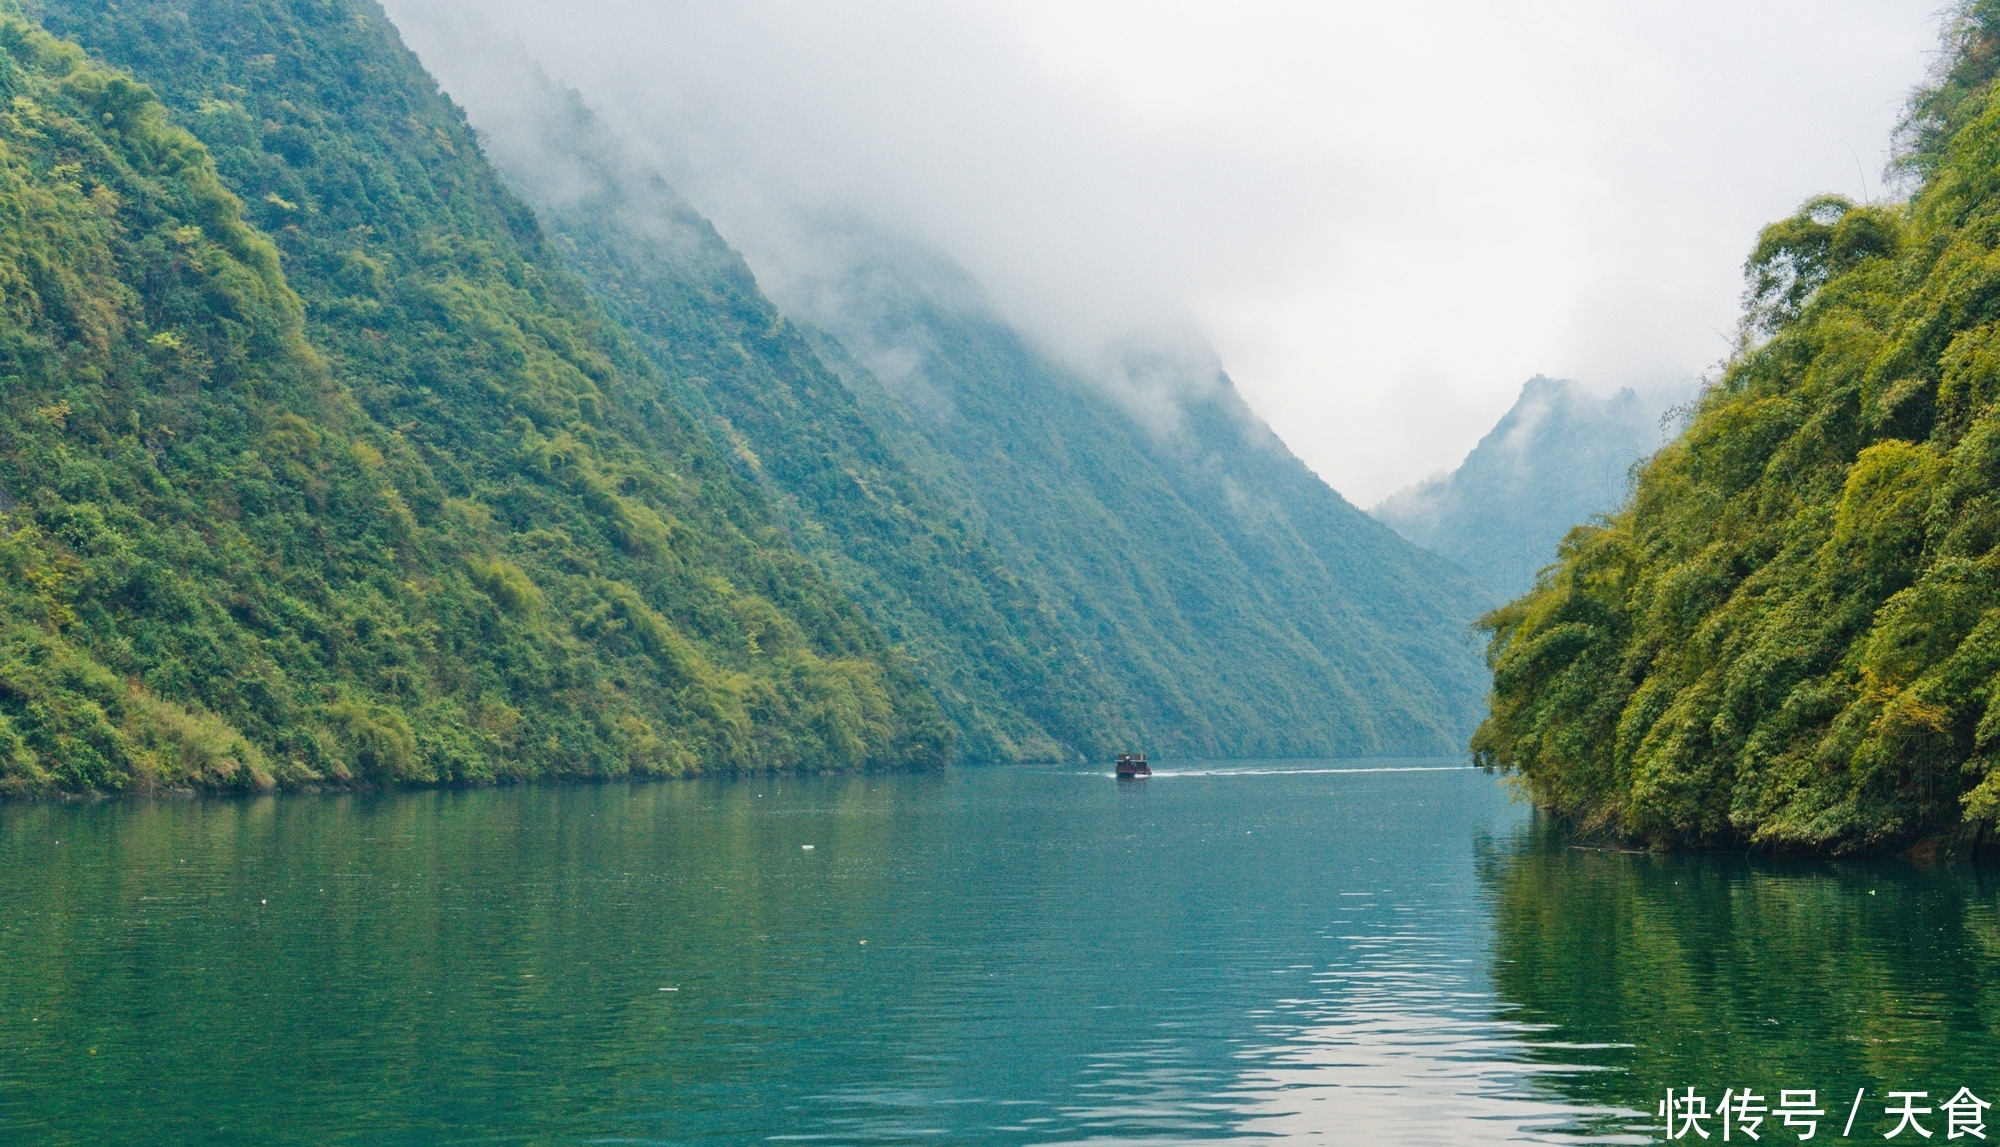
[1132, 766]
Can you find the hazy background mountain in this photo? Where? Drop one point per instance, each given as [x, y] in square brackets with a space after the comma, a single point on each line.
[1560, 455]
[1271, 174]
[1237, 598]
[1068, 562]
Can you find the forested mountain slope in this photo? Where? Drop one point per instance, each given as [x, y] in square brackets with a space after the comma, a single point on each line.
[1791, 634]
[984, 639]
[1557, 457]
[1061, 573]
[320, 466]
[1238, 603]
[382, 497]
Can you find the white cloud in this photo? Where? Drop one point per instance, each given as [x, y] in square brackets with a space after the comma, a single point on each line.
[1384, 216]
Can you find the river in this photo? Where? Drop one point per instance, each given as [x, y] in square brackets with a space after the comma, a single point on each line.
[1341, 952]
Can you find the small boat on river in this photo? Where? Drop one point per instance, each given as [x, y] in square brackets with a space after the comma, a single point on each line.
[1132, 766]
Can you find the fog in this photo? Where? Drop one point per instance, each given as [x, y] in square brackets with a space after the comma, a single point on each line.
[1382, 217]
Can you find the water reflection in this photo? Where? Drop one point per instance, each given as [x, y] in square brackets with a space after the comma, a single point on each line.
[1723, 972]
[1419, 1077]
[1407, 1044]
[1259, 952]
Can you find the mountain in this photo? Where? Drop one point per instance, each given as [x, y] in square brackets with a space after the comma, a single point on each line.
[1558, 457]
[983, 639]
[1789, 637]
[1067, 571]
[322, 469]
[324, 460]
[1244, 606]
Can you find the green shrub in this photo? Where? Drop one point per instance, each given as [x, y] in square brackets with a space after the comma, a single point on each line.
[1790, 636]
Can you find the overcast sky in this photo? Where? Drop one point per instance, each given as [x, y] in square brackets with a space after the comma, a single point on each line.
[1384, 216]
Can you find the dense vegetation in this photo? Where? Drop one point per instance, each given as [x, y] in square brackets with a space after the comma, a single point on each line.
[1790, 636]
[317, 467]
[1236, 603]
[1061, 572]
[983, 639]
[1558, 457]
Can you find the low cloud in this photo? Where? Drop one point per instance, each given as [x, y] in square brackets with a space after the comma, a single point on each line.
[1382, 217]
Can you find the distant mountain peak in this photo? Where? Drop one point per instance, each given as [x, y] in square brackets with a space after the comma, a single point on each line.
[1559, 455]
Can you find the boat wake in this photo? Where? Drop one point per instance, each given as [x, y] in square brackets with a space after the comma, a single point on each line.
[1275, 772]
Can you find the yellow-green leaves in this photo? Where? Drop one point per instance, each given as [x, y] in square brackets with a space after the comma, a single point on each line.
[508, 585]
[1807, 643]
[444, 532]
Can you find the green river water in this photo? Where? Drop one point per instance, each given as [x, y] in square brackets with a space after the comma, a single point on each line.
[1332, 953]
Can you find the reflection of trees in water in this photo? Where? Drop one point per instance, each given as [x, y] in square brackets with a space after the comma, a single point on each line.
[1718, 972]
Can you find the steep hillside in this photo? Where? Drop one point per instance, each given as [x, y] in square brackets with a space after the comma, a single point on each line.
[984, 639]
[1791, 635]
[1239, 605]
[427, 518]
[1251, 606]
[483, 521]
[1558, 457]
[1060, 573]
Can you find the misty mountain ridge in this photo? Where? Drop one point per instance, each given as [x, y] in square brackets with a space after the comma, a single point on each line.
[345, 447]
[1132, 558]
[1559, 456]
[1244, 556]
[839, 266]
